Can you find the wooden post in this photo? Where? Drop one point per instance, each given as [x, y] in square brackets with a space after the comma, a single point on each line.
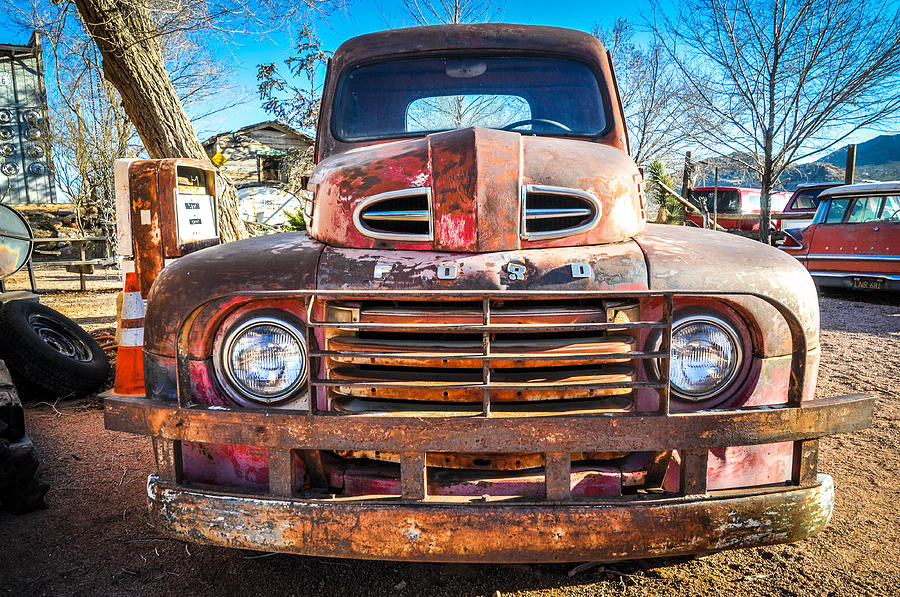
[686, 176]
[806, 461]
[716, 200]
[83, 255]
[850, 170]
[282, 472]
[168, 459]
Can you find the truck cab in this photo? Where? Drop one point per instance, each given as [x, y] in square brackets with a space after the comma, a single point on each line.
[735, 208]
[481, 351]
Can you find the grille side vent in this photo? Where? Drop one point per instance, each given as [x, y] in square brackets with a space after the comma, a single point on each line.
[555, 212]
[396, 215]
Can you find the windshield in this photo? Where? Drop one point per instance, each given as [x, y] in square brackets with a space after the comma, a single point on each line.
[729, 200]
[402, 98]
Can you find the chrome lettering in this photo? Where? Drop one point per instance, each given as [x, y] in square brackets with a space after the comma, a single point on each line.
[382, 269]
[447, 271]
[515, 271]
[581, 270]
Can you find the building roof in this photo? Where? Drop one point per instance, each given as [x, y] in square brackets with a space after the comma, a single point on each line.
[272, 124]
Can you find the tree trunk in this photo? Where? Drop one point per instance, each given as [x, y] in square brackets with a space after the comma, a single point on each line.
[765, 212]
[765, 202]
[132, 61]
[766, 182]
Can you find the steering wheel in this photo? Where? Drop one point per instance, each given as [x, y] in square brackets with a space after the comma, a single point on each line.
[894, 216]
[518, 123]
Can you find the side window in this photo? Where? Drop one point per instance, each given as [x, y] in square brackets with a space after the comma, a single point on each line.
[891, 210]
[805, 200]
[836, 211]
[865, 209]
[753, 202]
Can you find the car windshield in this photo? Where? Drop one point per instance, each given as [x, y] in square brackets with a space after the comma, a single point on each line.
[403, 98]
[729, 200]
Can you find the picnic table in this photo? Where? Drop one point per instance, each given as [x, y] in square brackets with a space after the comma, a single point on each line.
[82, 266]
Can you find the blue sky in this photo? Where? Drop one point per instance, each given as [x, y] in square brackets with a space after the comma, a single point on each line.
[362, 17]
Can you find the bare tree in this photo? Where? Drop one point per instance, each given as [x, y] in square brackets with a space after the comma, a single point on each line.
[292, 93]
[88, 128]
[129, 36]
[450, 12]
[789, 77]
[661, 108]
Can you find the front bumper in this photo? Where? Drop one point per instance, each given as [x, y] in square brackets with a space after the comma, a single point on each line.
[857, 281]
[492, 531]
[417, 527]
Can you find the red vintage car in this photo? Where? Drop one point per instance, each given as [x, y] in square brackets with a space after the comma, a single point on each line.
[854, 239]
[802, 205]
[734, 208]
[481, 351]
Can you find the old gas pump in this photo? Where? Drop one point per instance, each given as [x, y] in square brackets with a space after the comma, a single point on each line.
[164, 209]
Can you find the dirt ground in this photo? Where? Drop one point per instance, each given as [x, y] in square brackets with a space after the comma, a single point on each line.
[96, 538]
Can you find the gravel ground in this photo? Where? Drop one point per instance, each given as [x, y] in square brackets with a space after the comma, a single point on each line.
[96, 537]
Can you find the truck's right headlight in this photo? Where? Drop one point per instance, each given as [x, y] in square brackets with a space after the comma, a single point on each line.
[706, 357]
[263, 360]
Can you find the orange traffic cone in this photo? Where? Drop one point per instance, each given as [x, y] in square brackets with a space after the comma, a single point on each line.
[130, 335]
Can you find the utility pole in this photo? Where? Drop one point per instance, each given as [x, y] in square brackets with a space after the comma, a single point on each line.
[850, 170]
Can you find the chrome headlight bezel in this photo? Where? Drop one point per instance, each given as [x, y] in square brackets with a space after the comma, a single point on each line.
[738, 371]
[736, 364]
[228, 379]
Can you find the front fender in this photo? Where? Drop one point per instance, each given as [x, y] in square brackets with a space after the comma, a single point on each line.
[680, 258]
[275, 262]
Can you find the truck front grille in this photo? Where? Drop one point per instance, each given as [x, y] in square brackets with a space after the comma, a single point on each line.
[464, 357]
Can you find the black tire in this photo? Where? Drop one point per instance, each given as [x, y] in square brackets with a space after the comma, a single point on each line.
[50, 350]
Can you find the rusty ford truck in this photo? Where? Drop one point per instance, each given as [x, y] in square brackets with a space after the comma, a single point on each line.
[481, 351]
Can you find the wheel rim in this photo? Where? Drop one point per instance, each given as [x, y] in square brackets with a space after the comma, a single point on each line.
[60, 339]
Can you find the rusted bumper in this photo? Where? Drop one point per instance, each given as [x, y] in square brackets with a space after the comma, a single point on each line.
[493, 532]
[419, 527]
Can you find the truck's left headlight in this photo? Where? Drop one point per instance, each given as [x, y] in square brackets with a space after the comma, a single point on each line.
[264, 360]
[706, 357]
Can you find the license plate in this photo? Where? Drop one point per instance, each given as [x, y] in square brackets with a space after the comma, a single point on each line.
[868, 283]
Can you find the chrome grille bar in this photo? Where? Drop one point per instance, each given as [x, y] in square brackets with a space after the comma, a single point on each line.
[402, 216]
[543, 214]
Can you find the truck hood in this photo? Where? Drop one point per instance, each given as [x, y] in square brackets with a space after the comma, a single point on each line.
[476, 177]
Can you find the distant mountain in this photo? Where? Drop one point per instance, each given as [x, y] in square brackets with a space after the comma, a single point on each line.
[879, 151]
[734, 173]
[876, 159]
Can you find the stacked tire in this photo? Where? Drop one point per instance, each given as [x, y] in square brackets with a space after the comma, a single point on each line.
[20, 489]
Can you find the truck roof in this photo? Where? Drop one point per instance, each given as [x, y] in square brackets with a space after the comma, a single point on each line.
[481, 36]
[443, 40]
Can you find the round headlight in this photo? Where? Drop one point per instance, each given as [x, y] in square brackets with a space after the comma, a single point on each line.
[264, 360]
[706, 357]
